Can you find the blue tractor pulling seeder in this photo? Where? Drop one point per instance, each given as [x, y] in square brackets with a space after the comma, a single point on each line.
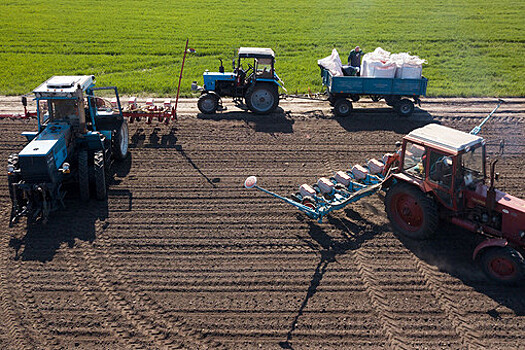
[257, 84]
[78, 136]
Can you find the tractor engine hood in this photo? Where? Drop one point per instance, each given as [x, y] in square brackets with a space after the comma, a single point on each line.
[511, 208]
[41, 158]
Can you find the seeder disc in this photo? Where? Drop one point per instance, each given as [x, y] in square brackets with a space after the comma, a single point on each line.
[250, 182]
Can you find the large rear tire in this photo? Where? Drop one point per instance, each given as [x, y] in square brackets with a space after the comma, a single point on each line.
[262, 98]
[83, 176]
[100, 176]
[411, 212]
[503, 264]
[12, 161]
[208, 103]
[121, 142]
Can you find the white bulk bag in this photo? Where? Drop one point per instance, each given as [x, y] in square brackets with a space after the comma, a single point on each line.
[332, 63]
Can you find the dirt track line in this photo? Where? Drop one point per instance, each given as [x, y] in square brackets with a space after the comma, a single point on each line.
[40, 328]
[155, 326]
[377, 297]
[470, 337]
[110, 322]
[11, 318]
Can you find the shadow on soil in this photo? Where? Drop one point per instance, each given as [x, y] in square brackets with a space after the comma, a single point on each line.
[169, 140]
[78, 221]
[355, 230]
[371, 119]
[451, 251]
[275, 123]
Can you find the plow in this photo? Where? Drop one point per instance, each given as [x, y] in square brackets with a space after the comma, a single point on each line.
[437, 174]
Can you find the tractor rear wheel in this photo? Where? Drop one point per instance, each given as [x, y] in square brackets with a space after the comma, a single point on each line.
[405, 107]
[411, 212]
[342, 107]
[503, 264]
[100, 175]
[121, 142]
[392, 100]
[208, 103]
[262, 98]
[83, 176]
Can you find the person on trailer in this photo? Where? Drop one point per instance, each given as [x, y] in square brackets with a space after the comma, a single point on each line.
[354, 59]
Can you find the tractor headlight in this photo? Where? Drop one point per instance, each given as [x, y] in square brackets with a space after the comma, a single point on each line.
[65, 168]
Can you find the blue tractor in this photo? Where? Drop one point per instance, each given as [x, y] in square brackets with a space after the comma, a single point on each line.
[78, 136]
[253, 80]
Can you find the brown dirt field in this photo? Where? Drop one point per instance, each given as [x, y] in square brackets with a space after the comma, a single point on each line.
[182, 256]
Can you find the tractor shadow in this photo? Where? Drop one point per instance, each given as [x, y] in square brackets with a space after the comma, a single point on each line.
[373, 119]
[42, 241]
[279, 122]
[354, 231]
[451, 252]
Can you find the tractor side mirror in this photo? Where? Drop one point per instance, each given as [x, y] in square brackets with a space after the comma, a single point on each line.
[398, 144]
[24, 101]
[496, 176]
[221, 67]
[233, 63]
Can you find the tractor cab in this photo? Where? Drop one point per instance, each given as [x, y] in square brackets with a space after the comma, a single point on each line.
[443, 161]
[255, 63]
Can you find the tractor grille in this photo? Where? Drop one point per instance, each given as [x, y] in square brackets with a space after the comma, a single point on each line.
[34, 169]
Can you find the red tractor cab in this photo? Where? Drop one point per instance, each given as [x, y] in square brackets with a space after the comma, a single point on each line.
[441, 175]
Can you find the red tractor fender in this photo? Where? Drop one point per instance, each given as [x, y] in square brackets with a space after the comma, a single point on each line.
[494, 242]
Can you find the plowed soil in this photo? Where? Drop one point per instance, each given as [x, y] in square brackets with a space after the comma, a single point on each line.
[182, 256]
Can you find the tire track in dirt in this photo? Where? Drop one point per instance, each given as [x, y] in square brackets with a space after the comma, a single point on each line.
[154, 324]
[470, 337]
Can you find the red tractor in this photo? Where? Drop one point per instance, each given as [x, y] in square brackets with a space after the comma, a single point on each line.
[440, 174]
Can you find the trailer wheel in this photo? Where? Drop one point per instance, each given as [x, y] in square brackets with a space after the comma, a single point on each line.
[208, 103]
[405, 107]
[343, 107]
[503, 264]
[83, 176]
[411, 212]
[262, 98]
[121, 142]
[100, 175]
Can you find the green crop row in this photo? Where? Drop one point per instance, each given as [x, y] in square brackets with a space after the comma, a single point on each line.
[473, 48]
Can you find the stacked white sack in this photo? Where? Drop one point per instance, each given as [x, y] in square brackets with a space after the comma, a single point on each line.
[382, 64]
[376, 64]
[332, 63]
[408, 67]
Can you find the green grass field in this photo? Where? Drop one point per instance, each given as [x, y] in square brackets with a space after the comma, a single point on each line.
[474, 48]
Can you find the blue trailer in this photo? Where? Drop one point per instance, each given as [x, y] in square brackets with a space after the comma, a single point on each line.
[395, 91]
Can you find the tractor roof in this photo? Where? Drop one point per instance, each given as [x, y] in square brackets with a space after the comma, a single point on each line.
[256, 52]
[444, 137]
[63, 84]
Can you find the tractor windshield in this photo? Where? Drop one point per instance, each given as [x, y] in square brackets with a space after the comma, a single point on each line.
[473, 165]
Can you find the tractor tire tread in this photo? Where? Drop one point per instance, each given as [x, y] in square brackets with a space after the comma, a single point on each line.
[100, 176]
[83, 176]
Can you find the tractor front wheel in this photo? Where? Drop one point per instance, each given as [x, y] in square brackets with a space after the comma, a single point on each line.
[411, 212]
[83, 176]
[100, 175]
[121, 142]
[262, 98]
[503, 264]
[208, 103]
[343, 107]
